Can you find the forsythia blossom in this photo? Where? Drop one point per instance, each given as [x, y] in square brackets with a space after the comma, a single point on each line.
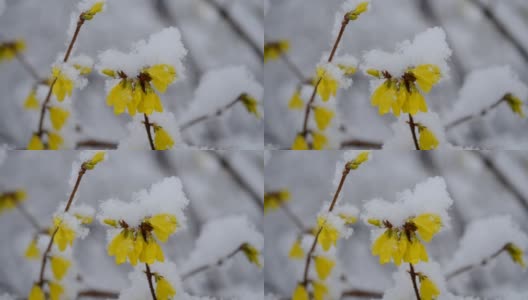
[274, 200]
[9, 200]
[10, 49]
[274, 50]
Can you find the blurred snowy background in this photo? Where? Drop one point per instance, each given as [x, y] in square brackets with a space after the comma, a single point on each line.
[474, 36]
[481, 185]
[208, 180]
[207, 34]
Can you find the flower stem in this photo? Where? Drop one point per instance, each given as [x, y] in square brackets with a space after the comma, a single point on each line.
[40, 282]
[415, 284]
[40, 130]
[345, 173]
[149, 279]
[308, 109]
[217, 113]
[470, 267]
[412, 126]
[149, 134]
[482, 113]
[207, 267]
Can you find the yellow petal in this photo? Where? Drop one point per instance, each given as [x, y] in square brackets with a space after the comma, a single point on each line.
[36, 293]
[55, 141]
[56, 290]
[323, 266]
[323, 117]
[296, 251]
[428, 225]
[63, 86]
[384, 97]
[150, 102]
[32, 251]
[252, 254]
[428, 290]
[58, 117]
[32, 101]
[35, 143]
[296, 102]
[427, 76]
[59, 266]
[516, 254]
[164, 290]
[328, 85]
[300, 293]
[164, 225]
[162, 139]
[251, 104]
[320, 290]
[328, 235]
[120, 246]
[162, 76]
[299, 143]
[319, 140]
[121, 98]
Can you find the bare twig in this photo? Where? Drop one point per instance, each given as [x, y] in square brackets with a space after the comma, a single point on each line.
[218, 113]
[412, 126]
[413, 275]
[471, 117]
[95, 144]
[149, 279]
[93, 293]
[149, 133]
[359, 293]
[484, 262]
[361, 144]
[207, 267]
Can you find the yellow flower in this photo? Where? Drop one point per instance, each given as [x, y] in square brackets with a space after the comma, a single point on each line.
[319, 140]
[296, 102]
[56, 290]
[323, 266]
[299, 293]
[138, 242]
[361, 158]
[299, 143]
[274, 200]
[32, 101]
[428, 290]
[399, 253]
[415, 102]
[296, 251]
[121, 98]
[120, 246]
[164, 290]
[374, 73]
[63, 84]
[35, 143]
[84, 219]
[328, 85]
[515, 104]
[273, 50]
[151, 252]
[516, 254]
[10, 50]
[58, 117]
[36, 293]
[10, 200]
[361, 8]
[374, 222]
[328, 235]
[109, 72]
[32, 251]
[65, 235]
[96, 8]
[162, 139]
[162, 76]
[385, 246]
[252, 254]
[97, 158]
[323, 117]
[428, 225]
[55, 141]
[149, 100]
[163, 225]
[385, 98]
[347, 69]
[320, 290]
[59, 266]
[427, 140]
[415, 251]
[349, 220]
[251, 104]
[110, 222]
[426, 76]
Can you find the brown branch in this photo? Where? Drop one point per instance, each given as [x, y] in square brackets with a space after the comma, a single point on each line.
[93, 293]
[224, 13]
[149, 133]
[413, 275]
[361, 144]
[95, 144]
[40, 130]
[41, 280]
[149, 279]
[346, 171]
[308, 109]
[488, 13]
[207, 267]
[412, 126]
[218, 113]
[471, 117]
[484, 262]
[359, 293]
[239, 179]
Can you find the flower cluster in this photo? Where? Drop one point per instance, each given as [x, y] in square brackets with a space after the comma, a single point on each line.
[10, 49]
[10, 200]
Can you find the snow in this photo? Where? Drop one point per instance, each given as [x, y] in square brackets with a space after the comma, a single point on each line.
[219, 238]
[347, 6]
[484, 87]
[218, 88]
[476, 246]
[403, 288]
[429, 196]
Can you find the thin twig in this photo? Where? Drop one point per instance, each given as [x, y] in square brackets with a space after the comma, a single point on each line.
[471, 117]
[224, 13]
[345, 173]
[149, 134]
[361, 144]
[412, 126]
[207, 267]
[93, 293]
[95, 144]
[484, 262]
[308, 109]
[413, 275]
[359, 293]
[149, 279]
[239, 179]
[41, 280]
[218, 113]
[44, 107]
